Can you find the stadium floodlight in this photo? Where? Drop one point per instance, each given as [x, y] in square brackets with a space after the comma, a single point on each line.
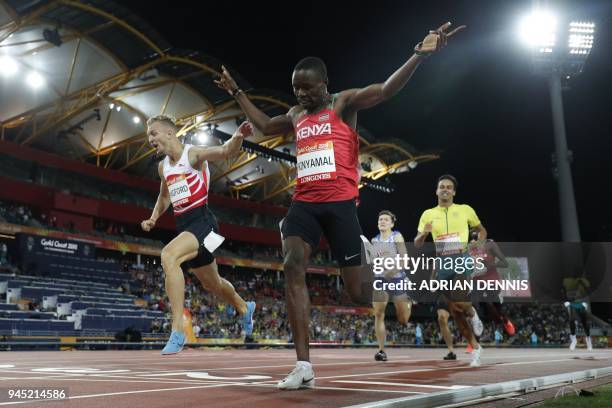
[35, 80]
[581, 37]
[136, 119]
[559, 50]
[538, 31]
[8, 66]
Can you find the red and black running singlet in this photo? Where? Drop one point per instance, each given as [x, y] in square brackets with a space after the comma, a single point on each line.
[327, 158]
[488, 259]
[187, 186]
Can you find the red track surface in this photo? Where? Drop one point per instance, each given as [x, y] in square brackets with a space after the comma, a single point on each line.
[344, 377]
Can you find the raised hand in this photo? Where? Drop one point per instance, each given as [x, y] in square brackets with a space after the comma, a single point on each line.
[226, 82]
[437, 39]
[244, 130]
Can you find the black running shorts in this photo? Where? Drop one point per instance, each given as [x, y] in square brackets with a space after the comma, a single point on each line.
[200, 222]
[337, 220]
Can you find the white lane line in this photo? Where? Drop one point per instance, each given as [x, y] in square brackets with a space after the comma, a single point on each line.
[201, 387]
[358, 359]
[127, 380]
[441, 369]
[454, 367]
[268, 385]
[438, 387]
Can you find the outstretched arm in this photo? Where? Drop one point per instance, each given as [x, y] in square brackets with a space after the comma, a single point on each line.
[161, 205]
[419, 240]
[266, 124]
[374, 94]
[503, 262]
[200, 154]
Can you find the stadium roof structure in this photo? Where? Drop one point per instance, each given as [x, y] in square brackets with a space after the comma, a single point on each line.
[80, 78]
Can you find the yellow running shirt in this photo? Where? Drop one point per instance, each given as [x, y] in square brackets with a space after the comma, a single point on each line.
[450, 226]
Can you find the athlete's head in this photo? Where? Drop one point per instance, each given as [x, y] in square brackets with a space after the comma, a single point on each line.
[161, 132]
[309, 82]
[447, 188]
[386, 220]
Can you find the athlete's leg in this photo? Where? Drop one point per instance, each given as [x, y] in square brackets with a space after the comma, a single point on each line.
[443, 316]
[585, 320]
[208, 275]
[494, 312]
[572, 321]
[182, 248]
[379, 320]
[341, 227]
[296, 253]
[460, 310]
[403, 308]
[572, 324]
[357, 283]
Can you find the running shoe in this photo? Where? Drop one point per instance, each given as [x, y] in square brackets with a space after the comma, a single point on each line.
[300, 377]
[247, 318]
[476, 357]
[573, 343]
[589, 343]
[175, 343]
[450, 356]
[509, 327]
[380, 356]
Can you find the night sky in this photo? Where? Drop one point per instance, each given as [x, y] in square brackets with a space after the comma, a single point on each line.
[476, 103]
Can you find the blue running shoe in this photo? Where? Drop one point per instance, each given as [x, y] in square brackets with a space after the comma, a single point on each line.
[175, 343]
[247, 318]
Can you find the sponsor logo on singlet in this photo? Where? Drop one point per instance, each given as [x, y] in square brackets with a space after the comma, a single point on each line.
[314, 130]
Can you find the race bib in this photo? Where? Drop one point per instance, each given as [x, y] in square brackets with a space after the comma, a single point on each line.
[449, 244]
[316, 161]
[179, 189]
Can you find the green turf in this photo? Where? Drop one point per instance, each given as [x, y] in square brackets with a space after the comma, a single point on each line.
[601, 399]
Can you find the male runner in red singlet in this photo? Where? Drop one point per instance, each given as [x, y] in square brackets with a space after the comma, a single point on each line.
[327, 146]
[184, 184]
[489, 300]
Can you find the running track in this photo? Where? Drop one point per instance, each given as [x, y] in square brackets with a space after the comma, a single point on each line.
[246, 378]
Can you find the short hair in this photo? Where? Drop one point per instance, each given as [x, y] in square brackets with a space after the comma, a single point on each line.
[389, 213]
[314, 64]
[448, 177]
[168, 120]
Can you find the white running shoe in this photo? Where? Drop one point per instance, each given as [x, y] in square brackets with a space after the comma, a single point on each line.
[589, 343]
[300, 377]
[477, 326]
[573, 342]
[476, 357]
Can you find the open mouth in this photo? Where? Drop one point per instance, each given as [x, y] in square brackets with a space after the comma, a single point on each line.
[305, 102]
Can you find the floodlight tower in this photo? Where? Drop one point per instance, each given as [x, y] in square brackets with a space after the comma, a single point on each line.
[559, 50]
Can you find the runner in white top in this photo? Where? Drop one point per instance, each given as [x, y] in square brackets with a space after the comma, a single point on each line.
[185, 180]
[389, 243]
